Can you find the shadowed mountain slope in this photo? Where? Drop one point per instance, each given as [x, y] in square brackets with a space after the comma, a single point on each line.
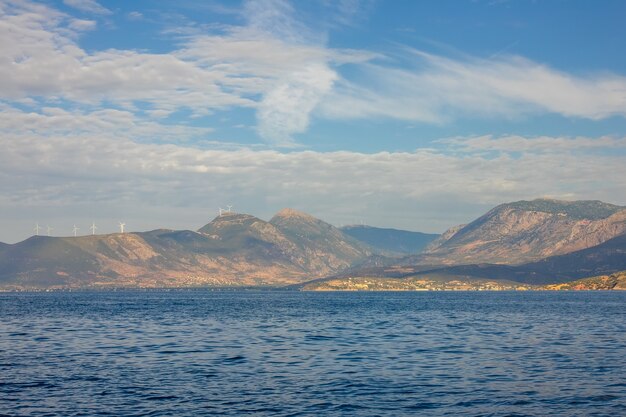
[321, 245]
[390, 240]
[44, 261]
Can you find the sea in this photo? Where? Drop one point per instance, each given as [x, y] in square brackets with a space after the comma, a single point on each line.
[290, 353]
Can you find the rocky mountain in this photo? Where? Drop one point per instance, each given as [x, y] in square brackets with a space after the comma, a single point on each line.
[606, 258]
[232, 250]
[527, 242]
[526, 231]
[393, 241]
[322, 247]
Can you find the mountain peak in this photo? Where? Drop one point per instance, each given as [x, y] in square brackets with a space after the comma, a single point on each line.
[230, 216]
[227, 219]
[288, 213]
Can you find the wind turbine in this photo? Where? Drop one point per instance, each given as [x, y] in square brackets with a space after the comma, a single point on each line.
[76, 229]
[49, 229]
[37, 229]
[122, 227]
[93, 228]
[229, 208]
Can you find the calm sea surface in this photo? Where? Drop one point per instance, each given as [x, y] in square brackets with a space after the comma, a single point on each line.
[313, 354]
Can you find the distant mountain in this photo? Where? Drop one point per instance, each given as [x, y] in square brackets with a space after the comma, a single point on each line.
[525, 231]
[323, 247]
[390, 240]
[607, 258]
[40, 262]
[233, 249]
[528, 243]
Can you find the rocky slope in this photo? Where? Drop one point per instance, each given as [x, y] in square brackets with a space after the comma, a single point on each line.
[322, 248]
[232, 250]
[606, 258]
[525, 231]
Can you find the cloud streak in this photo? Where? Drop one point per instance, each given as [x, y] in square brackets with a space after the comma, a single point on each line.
[285, 109]
[283, 70]
[272, 65]
[437, 89]
[88, 6]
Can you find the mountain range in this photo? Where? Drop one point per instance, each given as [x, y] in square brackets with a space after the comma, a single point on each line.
[232, 250]
[513, 246]
[607, 258]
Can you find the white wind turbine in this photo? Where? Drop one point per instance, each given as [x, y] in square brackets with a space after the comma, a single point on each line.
[122, 227]
[49, 229]
[37, 229]
[229, 208]
[75, 229]
[93, 228]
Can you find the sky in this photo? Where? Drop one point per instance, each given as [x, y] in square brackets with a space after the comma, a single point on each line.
[405, 114]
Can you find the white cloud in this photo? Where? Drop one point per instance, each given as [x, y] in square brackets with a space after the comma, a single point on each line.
[277, 18]
[209, 72]
[177, 186]
[285, 109]
[82, 25]
[90, 146]
[279, 67]
[135, 15]
[89, 6]
[109, 123]
[288, 64]
[436, 89]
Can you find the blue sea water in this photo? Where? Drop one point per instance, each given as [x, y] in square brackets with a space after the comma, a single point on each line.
[280, 353]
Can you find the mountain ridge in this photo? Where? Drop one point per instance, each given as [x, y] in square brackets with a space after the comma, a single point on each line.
[604, 259]
[526, 242]
[525, 231]
[233, 249]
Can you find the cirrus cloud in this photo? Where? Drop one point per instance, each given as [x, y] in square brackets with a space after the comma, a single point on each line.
[283, 70]
[89, 6]
[435, 89]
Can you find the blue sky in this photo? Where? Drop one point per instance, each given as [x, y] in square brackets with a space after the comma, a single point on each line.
[416, 115]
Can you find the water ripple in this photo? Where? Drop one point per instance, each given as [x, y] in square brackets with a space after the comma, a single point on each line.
[233, 353]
